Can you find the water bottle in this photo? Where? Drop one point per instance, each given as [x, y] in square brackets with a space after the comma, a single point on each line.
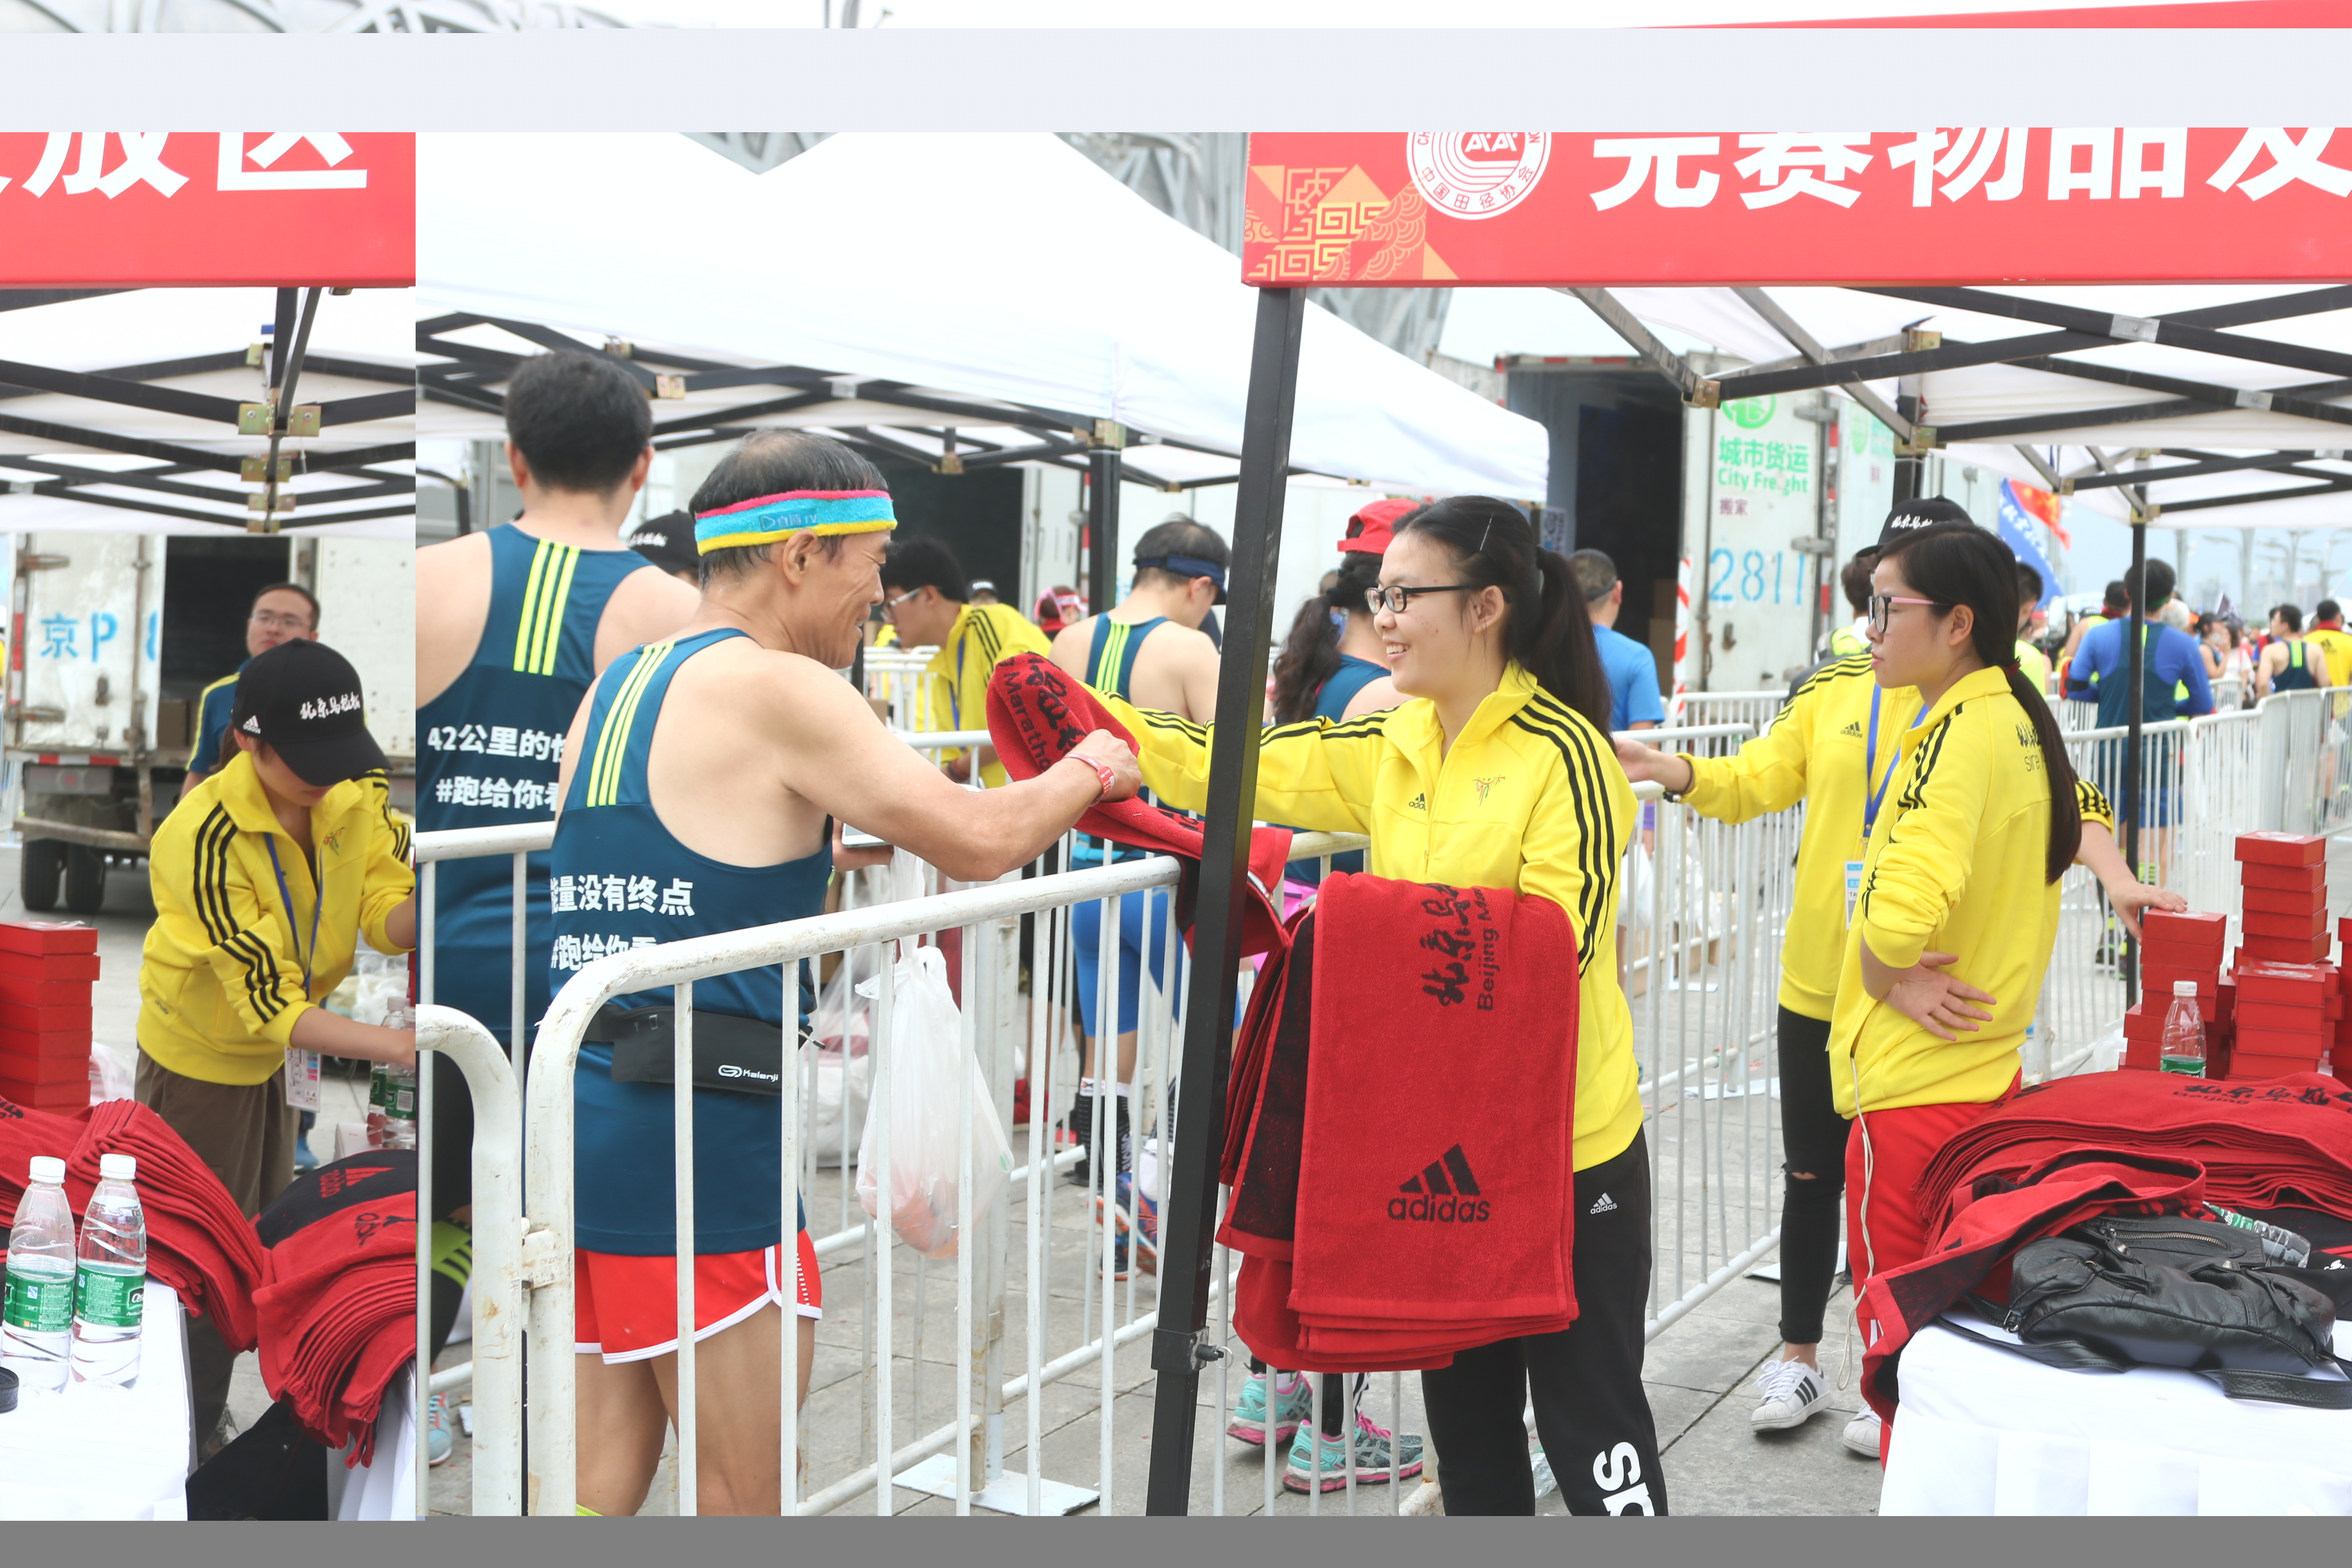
[2279, 1244]
[375, 1106]
[110, 1283]
[400, 1083]
[37, 1322]
[2184, 1033]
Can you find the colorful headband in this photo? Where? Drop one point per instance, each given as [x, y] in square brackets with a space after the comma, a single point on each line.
[766, 519]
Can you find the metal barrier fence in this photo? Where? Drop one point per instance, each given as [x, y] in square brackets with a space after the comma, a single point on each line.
[1703, 907]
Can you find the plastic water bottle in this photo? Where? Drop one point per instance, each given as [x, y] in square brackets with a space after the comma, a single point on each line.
[2184, 1032]
[400, 1083]
[375, 1105]
[37, 1322]
[110, 1283]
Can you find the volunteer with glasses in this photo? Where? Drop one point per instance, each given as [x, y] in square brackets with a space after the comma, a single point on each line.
[925, 595]
[281, 612]
[1836, 745]
[1495, 773]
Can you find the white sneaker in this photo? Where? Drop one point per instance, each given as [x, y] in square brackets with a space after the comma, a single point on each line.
[1792, 1392]
[1861, 1435]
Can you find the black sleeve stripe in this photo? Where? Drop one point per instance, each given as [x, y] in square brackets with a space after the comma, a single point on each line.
[211, 882]
[261, 979]
[1850, 664]
[1196, 733]
[1597, 849]
[2091, 801]
[1931, 750]
[991, 646]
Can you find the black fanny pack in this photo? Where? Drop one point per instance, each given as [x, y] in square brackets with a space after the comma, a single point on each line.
[731, 1054]
[2115, 1293]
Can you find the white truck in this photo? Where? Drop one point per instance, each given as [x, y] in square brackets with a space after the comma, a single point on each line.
[113, 637]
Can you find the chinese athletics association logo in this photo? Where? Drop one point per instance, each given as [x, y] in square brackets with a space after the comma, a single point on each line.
[1475, 174]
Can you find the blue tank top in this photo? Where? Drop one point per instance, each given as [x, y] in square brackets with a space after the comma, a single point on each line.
[2296, 676]
[1331, 702]
[1110, 666]
[620, 879]
[493, 743]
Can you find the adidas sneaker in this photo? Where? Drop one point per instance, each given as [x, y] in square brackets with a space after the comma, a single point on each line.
[1792, 1393]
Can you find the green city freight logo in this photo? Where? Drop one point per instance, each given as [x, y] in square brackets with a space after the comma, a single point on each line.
[1750, 412]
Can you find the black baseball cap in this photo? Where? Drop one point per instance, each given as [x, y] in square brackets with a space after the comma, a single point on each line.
[1926, 511]
[668, 541]
[303, 699]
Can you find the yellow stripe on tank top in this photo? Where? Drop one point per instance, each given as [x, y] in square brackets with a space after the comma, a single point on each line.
[530, 591]
[550, 641]
[612, 744]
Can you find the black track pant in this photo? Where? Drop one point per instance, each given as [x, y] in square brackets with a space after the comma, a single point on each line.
[1812, 1139]
[1591, 1411]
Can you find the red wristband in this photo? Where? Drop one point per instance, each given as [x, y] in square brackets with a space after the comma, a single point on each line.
[1102, 771]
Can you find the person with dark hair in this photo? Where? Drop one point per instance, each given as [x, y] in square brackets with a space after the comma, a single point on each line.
[668, 541]
[2287, 664]
[2030, 660]
[710, 772]
[925, 596]
[512, 626]
[1854, 580]
[1331, 662]
[281, 612]
[1836, 745]
[1150, 650]
[1958, 908]
[1496, 773]
[2171, 669]
[2329, 634]
[1634, 699]
[2114, 604]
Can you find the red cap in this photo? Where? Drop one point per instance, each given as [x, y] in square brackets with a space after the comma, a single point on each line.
[1373, 528]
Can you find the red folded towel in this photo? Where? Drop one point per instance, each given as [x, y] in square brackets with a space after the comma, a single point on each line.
[1262, 1216]
[1435, 1169]
[2282, 1143]
[1253, 1046]
[1037, 714]
[339, 1312]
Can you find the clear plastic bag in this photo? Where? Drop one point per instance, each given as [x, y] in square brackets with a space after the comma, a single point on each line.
[928, 1063]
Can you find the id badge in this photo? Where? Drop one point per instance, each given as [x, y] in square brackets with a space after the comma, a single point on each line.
[1852, 888]
[302, 1078]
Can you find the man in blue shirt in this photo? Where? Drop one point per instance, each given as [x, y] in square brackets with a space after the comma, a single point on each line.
[1633, 700]
[2174, 672]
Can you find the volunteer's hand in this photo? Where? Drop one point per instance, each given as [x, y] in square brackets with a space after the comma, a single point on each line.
[2129, 896]
[1648, 764]
[1126, 773]
[847, 859]
[1937, 1000]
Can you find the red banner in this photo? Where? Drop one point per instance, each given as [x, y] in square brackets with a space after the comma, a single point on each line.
[1955, 205]
[165, 209]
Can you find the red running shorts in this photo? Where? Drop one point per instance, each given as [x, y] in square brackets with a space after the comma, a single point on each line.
[624, 1309]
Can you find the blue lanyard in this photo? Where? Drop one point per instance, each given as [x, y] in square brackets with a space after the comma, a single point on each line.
[317, 903]
[1870, 797]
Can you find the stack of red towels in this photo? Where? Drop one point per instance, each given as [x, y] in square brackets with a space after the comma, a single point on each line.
[2284, 1144]
[1400, 1129]
[198, 1242]
[339, 1310]
[46, 968]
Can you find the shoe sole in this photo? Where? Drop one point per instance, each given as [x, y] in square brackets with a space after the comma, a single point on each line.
[1372, 1477]
[1255, 1436]
[1853, 1447]
[1761, 1423]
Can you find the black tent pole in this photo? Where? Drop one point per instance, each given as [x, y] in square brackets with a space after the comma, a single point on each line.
[1102, 528]
[2136, 637]
[1178, 1347]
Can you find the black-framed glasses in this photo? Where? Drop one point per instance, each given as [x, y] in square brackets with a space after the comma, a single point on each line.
[1395, 600]
[1882, 608]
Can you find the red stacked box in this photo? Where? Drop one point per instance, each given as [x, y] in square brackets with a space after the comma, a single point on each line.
[2284, 878]
[46, 969]
[2287, 1015]
[2177, 948]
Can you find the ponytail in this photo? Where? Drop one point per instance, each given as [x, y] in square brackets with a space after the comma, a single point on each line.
[1310, 654]
[1566, 658]
[1956, 563]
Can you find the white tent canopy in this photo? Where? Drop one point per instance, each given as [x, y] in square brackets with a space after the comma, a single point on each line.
[1003, 269]
[1954, 399]
[141, 329]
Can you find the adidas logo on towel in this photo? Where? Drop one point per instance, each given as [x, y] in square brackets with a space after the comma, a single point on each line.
[1418, 803]
[1854, 729]
[1604, 1203]
[1442, 1192]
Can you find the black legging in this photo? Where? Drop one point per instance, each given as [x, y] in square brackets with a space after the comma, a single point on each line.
[1812, 1140]
[1330, 1401]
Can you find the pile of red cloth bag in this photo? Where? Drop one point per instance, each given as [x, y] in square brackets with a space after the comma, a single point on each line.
[198, 1242]
[1398, 1129]
[338, 1311]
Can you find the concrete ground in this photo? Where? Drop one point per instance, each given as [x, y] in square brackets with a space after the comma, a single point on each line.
[123, 922]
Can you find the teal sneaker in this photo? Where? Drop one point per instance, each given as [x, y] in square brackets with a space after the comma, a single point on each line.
[1373, 1445]
[1249, 1411]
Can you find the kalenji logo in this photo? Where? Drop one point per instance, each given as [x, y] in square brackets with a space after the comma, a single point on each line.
[729, 1069]
[1475, 174]
[1442, 1192]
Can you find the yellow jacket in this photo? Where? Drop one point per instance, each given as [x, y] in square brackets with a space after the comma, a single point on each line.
[220, 979]
[2035, 664]
[2338, 644]
[1816, 752]
[983, 637]
[1529, 798]
[1954, 865]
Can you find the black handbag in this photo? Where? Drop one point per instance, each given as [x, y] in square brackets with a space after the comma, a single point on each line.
[2113, 1293]
[731, 1054]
